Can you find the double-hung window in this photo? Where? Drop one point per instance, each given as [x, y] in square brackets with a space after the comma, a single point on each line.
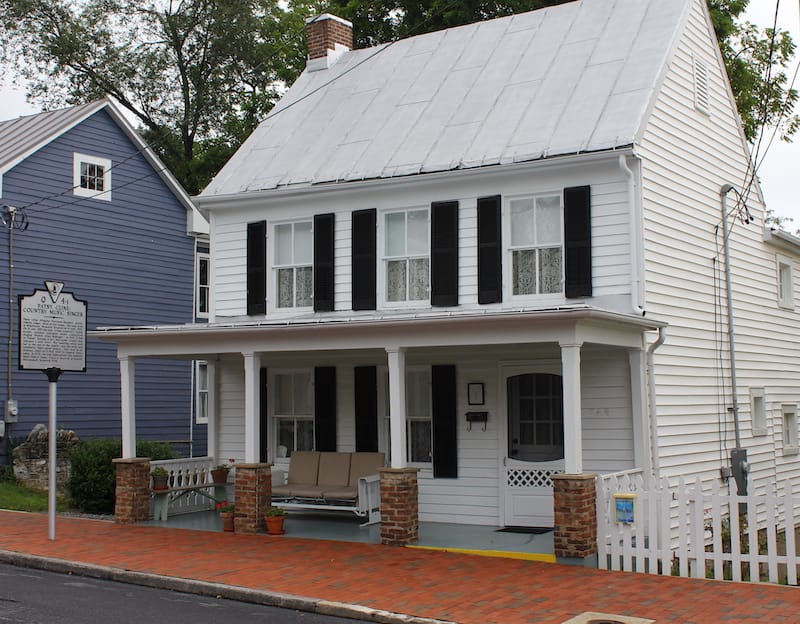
[202, 284]
[201, 414]
[419, 414]
[91, 177]
[294, 411]
[536, 245]
[293, 261]
[407, 255]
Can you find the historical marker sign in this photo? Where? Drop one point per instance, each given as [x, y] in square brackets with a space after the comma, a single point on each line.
[52, 332]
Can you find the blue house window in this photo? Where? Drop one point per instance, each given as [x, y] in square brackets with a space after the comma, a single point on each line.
[91, 177]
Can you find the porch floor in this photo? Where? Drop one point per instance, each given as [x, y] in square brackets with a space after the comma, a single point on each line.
[436, 535]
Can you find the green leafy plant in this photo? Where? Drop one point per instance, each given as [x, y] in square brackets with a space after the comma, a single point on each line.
[159, 471]
[224, 467]
[274, 512]
[92, 481]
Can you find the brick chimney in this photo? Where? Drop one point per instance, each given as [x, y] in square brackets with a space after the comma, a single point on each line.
[328, 37]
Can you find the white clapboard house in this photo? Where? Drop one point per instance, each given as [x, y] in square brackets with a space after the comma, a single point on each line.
[494, 253]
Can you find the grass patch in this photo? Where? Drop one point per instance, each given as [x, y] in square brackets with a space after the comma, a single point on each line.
[19, 498]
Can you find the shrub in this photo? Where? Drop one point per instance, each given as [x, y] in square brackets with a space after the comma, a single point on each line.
[93, 479]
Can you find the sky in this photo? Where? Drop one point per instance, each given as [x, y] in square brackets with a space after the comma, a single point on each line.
[780, 165]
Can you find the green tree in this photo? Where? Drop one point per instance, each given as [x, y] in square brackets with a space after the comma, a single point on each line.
[198, 75]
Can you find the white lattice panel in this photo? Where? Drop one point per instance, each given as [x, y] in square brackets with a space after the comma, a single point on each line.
[530, 478]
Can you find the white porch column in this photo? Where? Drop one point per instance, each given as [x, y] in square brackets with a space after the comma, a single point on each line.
[252, 435]
[397, 405]
[127, 386]
[212, 430]
[573, 440]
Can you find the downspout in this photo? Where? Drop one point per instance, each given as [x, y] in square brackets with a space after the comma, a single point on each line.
[739, 464]
[633, 220]
[651, 399]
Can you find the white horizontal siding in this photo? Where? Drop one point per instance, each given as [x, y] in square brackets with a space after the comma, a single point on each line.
[610, 232]
[687, 157]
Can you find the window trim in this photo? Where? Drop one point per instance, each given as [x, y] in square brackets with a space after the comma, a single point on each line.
[784, 301]
[78, 159]
[508, 248]
[200, 392]
[758, 417]
[791, 444]
[274, 267]
[202, 256]
[383, 258]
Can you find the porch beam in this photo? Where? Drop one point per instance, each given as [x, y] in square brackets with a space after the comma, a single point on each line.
[127, 386]
[573, 438]
[252, 433]
[397, 405]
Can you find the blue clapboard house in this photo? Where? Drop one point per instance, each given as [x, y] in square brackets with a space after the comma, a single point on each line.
[106, 218]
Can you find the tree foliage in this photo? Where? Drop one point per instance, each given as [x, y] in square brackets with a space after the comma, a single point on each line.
[199, 75]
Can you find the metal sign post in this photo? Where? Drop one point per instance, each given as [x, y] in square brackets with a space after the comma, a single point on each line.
[52, 339]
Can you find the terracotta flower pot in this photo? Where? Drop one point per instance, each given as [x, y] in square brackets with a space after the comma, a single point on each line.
[274, 525]
[220, 477]
[227, 521]
[160, 482]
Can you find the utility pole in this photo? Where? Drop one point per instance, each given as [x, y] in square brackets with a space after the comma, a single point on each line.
[13, 219]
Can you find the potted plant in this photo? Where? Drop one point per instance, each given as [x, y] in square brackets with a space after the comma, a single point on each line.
[219, 474]
[160, 478]
[274, 518]
[226, 512]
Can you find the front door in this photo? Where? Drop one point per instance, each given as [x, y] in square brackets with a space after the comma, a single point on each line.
[535, 411]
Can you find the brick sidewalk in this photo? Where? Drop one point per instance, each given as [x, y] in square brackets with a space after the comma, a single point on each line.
[430, 584]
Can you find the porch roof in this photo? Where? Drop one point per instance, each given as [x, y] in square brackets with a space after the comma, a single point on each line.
[321, 332]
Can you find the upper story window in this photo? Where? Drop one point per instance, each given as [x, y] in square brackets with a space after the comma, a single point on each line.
[293, 262]
[536, 247]
[406, 255]
[203, 266]
[91, 177]
[785, 282]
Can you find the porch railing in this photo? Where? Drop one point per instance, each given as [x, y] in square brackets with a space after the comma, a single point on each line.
[190, 473]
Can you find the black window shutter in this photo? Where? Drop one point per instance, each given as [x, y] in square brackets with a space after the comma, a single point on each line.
[444, 253]
[257, 268]
[364, 259]
[366, 408]
[445, 421]
[263, 422]
[325, 408]
[490, 250]
[323, 262]
[578, 242]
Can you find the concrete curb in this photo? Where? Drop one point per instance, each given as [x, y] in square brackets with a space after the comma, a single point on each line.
[215, 590]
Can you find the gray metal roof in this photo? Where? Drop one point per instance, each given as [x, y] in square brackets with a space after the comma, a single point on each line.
[23, 136]
[573, 78]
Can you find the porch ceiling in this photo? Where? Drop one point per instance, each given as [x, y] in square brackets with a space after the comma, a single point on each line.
[573, 325]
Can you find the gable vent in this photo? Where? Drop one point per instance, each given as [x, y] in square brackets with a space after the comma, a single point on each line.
[701, 96]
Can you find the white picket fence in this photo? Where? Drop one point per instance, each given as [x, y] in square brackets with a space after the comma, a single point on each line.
[696, 529]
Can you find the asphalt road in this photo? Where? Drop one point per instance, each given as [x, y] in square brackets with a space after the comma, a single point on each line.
[35, 597]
